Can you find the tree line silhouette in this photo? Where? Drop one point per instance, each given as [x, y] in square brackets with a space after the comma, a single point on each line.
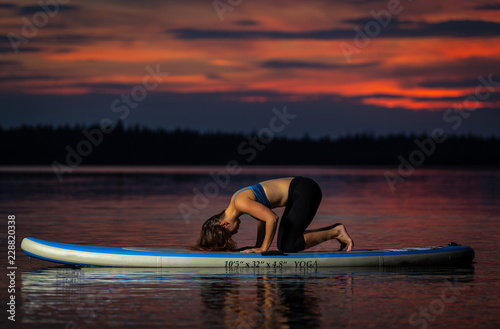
[79, 145]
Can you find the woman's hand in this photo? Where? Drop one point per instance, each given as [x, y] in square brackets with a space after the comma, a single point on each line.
[253, 251]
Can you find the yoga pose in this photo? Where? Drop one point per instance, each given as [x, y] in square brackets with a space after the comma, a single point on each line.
[300, 195]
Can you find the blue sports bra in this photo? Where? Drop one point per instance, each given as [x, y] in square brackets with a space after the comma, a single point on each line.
[260, 195]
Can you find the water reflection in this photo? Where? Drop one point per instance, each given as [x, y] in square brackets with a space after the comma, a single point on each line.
[300, 303]
[139, 207]
[265, 301]
[213, 298]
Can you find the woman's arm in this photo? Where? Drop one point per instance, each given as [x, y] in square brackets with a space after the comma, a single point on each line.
[267, 221]
[261, 233]
[270, 227]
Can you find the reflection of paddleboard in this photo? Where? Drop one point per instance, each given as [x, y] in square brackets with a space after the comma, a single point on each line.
[160, 257]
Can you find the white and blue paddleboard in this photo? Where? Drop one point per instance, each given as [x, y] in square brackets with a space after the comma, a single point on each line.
[82, 255]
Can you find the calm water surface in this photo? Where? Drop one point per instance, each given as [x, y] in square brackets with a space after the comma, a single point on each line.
[164, 207]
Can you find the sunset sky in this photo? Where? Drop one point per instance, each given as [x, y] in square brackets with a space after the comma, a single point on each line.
[340, 67]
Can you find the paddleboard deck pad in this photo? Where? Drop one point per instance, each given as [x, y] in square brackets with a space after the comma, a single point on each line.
[82, 255]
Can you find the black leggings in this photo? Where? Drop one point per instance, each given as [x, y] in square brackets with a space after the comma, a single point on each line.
[304, 197]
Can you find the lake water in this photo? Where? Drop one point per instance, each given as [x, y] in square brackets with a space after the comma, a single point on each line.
[165, 207]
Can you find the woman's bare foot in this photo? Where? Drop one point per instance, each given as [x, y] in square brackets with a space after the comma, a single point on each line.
[340, 234]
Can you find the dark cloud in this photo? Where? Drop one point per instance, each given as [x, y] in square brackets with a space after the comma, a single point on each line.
[64, 50]
[247, 22]
[471, 68]
[360, 2]
[394, 22]
[280, 64]
[229, 34]
[39, 43]
[63, 42]
[11, 63]
[73, 39]
[42, 43]
[395, 29]
[41, 78]
[494, 6]
[7, 6]
[213, 76]
[492, 97]
[99, 87]
[8, 49]
[460, 29]
[28, 10]
[391, 96]
[295, 64]
[6, 46]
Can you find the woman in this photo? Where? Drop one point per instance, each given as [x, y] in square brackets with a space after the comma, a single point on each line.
[300, 195]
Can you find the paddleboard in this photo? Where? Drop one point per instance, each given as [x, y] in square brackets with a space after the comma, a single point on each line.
[83, 255]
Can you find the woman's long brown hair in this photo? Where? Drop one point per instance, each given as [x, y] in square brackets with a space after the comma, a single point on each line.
[214, 237]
